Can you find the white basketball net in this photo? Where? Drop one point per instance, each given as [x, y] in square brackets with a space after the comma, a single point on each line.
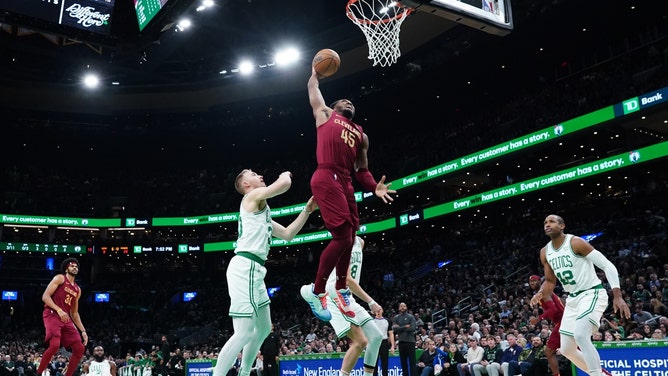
[380, 21]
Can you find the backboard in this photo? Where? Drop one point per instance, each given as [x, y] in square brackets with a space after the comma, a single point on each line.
[490, 16]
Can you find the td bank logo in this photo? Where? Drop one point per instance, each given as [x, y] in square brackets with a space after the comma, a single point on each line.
[183, 248]
[129, 222]
[630, 105]
[403, 219]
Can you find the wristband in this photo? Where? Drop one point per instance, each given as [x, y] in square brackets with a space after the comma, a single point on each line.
[364, 177]
[372, 303]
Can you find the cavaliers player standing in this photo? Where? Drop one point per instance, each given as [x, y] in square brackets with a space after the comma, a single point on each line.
[61, 314]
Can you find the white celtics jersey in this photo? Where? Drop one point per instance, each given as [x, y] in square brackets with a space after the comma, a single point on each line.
[254, 232]
[575, 272]
[102, 368]
[355, 265]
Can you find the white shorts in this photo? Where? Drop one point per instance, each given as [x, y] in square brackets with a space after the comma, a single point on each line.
[245, 283]
[340, 322]
[588, 305]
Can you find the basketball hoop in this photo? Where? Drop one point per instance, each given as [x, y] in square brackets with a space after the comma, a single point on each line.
[380, 21]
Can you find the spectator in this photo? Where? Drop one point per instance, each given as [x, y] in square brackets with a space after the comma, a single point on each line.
[474, 355]
[425, 363]
[9, 367]
[450, 362]
[531, 362]
[641, 295]
[657, 307]
[493, 354]
[512, 353]
[640, 315]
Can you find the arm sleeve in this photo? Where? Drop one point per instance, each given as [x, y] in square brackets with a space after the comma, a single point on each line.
[608, 267]
[364, 177]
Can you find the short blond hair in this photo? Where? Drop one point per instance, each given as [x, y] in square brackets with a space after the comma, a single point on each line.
[237, 182]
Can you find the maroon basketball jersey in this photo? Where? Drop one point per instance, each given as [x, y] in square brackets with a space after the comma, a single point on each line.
[65, 295]
[338, 140]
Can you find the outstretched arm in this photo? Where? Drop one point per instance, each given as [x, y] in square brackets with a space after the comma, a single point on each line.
[288, 233]
[356, 289]
[252, 200]
[320, 110]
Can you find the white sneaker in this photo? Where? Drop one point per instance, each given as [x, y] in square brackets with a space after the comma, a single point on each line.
[318, 303]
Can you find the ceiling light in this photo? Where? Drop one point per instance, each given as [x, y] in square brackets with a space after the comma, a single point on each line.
[91, 80]
[246, 67]
[183, 24]
[287, 56]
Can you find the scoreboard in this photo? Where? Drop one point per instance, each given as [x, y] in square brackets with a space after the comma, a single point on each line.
[146, 11]
[42, 247]
[89, 15]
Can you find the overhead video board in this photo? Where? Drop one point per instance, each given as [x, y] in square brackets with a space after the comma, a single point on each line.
[89, 15]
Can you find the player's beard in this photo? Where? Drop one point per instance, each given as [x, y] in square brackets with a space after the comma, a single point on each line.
[98, 358]
[347, 114]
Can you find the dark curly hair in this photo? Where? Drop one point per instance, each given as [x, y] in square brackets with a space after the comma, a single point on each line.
[66, 262]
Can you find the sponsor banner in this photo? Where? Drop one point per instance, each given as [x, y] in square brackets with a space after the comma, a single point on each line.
[633, 358]
[328, 365]
[634, 104]
[199, 368]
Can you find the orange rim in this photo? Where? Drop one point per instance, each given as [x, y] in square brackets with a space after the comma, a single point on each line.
[404, 13]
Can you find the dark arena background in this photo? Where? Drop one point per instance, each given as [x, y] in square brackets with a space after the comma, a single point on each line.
[482, 134]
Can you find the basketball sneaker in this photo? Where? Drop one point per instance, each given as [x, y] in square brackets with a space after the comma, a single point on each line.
[317, 302]
[342, 300]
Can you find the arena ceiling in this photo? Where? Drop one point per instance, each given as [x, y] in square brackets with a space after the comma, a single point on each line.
[37, 56]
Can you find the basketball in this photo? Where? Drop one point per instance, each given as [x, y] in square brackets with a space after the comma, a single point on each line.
[326, 62]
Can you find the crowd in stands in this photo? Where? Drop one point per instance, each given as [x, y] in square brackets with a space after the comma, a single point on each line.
[483, 286]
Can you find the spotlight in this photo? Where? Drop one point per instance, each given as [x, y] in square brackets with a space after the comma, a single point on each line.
[183, 24]
[91, 80]
[287, 56]
[246, 67]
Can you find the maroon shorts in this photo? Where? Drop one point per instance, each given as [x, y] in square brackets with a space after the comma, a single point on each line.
[334, 193]
[554, 341]
[55, 328]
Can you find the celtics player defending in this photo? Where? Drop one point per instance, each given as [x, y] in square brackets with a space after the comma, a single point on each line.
[99, 366]
[571, 260]
[249, 301]
[361, 329]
